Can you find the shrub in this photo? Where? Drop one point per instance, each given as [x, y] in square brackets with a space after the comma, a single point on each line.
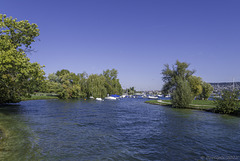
[228, 103]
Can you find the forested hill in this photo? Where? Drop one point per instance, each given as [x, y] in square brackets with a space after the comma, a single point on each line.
[225, 86]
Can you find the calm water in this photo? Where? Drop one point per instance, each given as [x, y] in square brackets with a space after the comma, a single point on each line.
[126, 129]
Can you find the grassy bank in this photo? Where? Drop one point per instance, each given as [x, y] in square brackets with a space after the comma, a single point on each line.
[196, 104]
[40, 96]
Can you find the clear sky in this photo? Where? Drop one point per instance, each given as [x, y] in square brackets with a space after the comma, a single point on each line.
[136, 37]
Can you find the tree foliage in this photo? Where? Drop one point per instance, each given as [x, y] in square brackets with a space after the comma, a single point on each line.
[96, 86]
[20, 34]
[228, 103]
[182, 95]
[18, 76]
[172, 76]
[112, 84]
[176, 80]
[130, 91]
[180, 80]
[206, 91]
[196, 85]
[70, 85]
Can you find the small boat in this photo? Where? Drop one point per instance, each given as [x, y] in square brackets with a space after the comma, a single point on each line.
[167, 96]
[152, 97]
[91, 97]
[110, 98]
[99, 99]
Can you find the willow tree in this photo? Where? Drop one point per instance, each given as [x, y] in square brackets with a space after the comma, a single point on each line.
[176, 81]
[96, 86]
[18, 76]
[112, 83]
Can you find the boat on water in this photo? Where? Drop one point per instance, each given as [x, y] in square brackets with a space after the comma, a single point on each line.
[99, 99]
[152, 97]
[122, 96]
[167, 96]
[91, 97]
[110, 98]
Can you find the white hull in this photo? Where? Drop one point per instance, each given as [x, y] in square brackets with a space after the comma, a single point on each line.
[99, 99]
[152, 97]
[110, 98]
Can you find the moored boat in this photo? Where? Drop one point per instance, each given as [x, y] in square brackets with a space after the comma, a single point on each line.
[110, 98]
[152, 97]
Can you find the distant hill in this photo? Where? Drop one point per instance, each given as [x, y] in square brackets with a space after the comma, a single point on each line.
[225, 86]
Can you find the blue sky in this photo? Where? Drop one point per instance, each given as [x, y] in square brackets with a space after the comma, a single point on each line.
[136, 37]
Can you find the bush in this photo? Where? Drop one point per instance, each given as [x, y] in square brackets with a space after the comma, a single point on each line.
[228, 103]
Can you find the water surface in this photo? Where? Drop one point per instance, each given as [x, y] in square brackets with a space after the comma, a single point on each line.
[126, 129]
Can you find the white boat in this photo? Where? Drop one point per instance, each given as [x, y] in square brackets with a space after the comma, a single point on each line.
[167, 96]
[110, 98]
[91, 97]
[152, 97]
[99, 99]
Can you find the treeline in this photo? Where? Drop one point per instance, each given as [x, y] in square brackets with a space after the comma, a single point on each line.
[19, 78]
[68, 85]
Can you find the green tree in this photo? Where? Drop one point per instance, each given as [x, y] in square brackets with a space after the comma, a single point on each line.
[182, 95]
[18, 76]
[196, 85]
[131, 91]
[206, 91]
[83, 83]
[171, 76]
[176, 80]
[228, 103]
[20, 34]
[96, 86]
[112, 84]
[65, 84]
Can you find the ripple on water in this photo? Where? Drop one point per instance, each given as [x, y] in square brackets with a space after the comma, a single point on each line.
[127, 129]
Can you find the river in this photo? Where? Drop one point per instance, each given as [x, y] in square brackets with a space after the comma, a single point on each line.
[126, 129]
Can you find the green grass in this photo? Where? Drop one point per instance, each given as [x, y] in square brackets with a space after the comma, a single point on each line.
[196, 104]
[41, 96]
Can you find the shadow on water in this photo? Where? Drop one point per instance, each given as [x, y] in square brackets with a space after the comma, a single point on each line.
[9, 109]
[18, 141]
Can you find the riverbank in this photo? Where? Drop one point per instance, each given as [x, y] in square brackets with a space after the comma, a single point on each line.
[40, 96]
[205, 105]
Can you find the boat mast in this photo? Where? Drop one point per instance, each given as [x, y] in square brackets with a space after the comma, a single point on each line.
[233, 84]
